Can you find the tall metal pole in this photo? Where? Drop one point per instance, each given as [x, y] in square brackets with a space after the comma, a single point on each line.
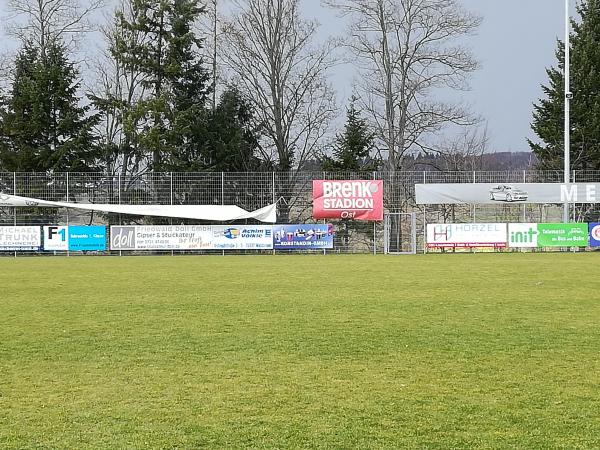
[568, 95]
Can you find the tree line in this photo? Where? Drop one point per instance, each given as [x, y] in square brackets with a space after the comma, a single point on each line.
[243, 85]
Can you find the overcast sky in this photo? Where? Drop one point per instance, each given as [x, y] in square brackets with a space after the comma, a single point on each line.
[515, 44]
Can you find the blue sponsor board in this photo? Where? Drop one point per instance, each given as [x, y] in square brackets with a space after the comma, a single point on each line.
[87, 238]
[302, 236]
[594, 234]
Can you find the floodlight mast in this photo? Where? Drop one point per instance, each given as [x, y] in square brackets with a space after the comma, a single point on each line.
[568, 96]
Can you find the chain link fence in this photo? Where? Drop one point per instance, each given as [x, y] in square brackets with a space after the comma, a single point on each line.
[292, 191]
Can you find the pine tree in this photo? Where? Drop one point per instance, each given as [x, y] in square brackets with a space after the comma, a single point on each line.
[353, 147]
[43, 127]
[232, 142]
[223, 139]
[169, 60]
[548, 114]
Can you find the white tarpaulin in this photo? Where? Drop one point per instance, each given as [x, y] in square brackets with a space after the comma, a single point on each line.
[220, 213]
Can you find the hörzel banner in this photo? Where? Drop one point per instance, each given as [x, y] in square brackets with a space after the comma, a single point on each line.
[349, 199]
[531, 235]
[506, 193]
[20, 238]
[466, 235]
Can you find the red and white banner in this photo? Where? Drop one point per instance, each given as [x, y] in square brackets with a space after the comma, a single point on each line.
[351, 199]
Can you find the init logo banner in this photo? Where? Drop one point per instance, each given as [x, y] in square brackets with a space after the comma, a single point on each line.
[348, 199]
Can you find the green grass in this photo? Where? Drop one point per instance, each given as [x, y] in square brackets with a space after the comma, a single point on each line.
[437, 351]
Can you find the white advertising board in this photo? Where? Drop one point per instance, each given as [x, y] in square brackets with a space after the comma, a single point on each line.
[191, 237]
[506, 193]
[56, 238]
[244, 237]
[20, 238]
[523, 235]
[161, 237]
[465, 235]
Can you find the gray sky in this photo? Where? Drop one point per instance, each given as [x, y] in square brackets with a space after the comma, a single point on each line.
[515, 44]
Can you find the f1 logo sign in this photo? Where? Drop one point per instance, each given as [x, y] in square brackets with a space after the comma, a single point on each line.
[56, 238]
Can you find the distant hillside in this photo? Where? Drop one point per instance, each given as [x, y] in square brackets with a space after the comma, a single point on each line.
[456, 162]
[488, 161]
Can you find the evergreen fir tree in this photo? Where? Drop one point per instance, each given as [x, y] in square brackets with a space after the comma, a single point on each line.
[43, 127]
[353, 147]
[548, 114]
[232, 142]
[169, 59]
[221, 140]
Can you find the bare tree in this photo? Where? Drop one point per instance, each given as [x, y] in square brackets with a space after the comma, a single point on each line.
[465, 152]
[405, 51]
[5, 70]
[115, 92]
[44, 21]
[209, 26]
[268, 48]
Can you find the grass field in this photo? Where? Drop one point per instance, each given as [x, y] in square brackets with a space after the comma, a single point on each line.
[336, 352]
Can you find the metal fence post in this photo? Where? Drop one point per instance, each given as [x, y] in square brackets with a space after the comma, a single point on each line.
[274, 197]
[15, 193]
[573, 210]
[375, 226]
[222, 198]
[171, 195]
[273, 183]
[171, 187]
[120, 216]
[68, 252]
[15, 208]
[524, 205]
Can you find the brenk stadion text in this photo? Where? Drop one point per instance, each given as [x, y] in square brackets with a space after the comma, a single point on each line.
[348, 194]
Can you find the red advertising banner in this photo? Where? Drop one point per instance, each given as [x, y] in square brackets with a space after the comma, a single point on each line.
[350, 199]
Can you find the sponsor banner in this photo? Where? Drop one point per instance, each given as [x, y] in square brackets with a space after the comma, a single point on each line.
[245, 237]
[507, 193]
[56, 238]
[75, 238]
[20, 238]
[348, 199]
[523, 235]
[530, 235]
[563, 235]
[595, 234]
[87, 238]
[161, 237]
[302, 236]
[466, 235]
